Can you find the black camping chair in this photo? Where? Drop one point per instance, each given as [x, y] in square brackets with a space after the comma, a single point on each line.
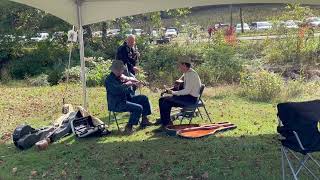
[188, 111]
[114, 114]
[300, 135]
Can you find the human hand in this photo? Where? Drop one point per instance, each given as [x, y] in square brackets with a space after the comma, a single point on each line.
[137, 54]
[169, 91]
[136, 69]
[129, 83]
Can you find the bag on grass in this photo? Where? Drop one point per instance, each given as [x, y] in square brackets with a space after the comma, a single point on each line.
[24, 136]
[84, 127]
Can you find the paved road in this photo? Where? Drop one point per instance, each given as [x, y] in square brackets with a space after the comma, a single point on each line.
[265, 37]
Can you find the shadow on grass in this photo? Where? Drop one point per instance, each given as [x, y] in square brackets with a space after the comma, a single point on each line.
[148, 155]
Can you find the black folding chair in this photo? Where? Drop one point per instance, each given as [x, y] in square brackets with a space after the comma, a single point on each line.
[114, 118]
[113, 113]
[189, 111]
[298, 129]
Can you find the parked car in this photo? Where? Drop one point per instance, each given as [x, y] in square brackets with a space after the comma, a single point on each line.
[290, 24]
[154, 33]
[137, 32]
[221, 26]
[113, 32]
[170, 32]
[59, 36]
[97, 34]
[313, 21]
[245, 27]
[260, 26]
[40, 37]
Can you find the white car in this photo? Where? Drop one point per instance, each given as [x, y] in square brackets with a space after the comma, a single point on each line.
[137, 32]
[97, 34]
[113, 32]
[290, 24]
[154, 33]
[40, 37]
[245, 27]
[171, 33]
[260, 26]
[313, 21]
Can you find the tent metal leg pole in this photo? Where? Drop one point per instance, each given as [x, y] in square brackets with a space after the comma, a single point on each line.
[83, 73]
[282, 162]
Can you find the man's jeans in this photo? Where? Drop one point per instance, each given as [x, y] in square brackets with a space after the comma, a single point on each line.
[166, 104]
[137, 106]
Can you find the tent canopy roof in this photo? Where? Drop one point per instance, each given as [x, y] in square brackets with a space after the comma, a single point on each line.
[94, 11]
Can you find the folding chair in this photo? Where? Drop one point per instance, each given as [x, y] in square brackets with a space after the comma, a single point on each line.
[113, 112]
[298, 128]
[189, 111]
[115, 118]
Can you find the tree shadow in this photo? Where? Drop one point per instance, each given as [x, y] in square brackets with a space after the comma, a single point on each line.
[149, 155]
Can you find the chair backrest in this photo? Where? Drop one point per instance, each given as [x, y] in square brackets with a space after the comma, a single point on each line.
[201, 90]
[301, 118]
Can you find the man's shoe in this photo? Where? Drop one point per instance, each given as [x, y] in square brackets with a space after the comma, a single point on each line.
[170, 123]
[128, 129]
[145, 122]
[160, 129]
[158, 122]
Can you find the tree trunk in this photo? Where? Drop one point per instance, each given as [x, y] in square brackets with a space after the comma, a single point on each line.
[104, 31]
[241, 19]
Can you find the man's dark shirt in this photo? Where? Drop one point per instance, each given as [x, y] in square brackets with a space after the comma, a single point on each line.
[128, 56]
[117, 92]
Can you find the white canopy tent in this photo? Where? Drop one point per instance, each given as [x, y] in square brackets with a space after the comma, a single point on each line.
[84, 12]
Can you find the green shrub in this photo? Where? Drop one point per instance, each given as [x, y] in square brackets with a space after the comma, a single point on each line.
[73, 73]
[160, 64]
[250, 50]
[54, 76]
[44, 57]
[41, 80]
[293, 89]
[97, 74]
[261, 86]
[220, 64]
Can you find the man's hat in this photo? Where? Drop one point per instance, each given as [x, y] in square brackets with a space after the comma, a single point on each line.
[117, 65]
[184, 59]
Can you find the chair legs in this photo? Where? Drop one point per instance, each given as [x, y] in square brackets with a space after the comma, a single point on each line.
[204, 107]
[199, 113]
[115, 118]
[194, 112]
[302, 162]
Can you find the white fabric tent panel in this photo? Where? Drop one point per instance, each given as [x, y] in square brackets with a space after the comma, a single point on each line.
[94, 11]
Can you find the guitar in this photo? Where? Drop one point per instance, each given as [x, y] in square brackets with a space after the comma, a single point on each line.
[177, 86]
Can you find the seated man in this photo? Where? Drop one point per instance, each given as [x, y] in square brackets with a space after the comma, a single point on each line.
[120, 98]
[187, 96]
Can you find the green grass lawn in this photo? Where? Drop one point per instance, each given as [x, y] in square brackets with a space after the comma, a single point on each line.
[251, 151]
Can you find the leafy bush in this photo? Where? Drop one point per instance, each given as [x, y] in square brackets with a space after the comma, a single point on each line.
[160, 64]
[297, 46]
[54, 76]
[220, 64]
[73, 73]
[250, 50]
[293, 89]
[44, 57]
[261, 86]
[41, 80]
[96, 75]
